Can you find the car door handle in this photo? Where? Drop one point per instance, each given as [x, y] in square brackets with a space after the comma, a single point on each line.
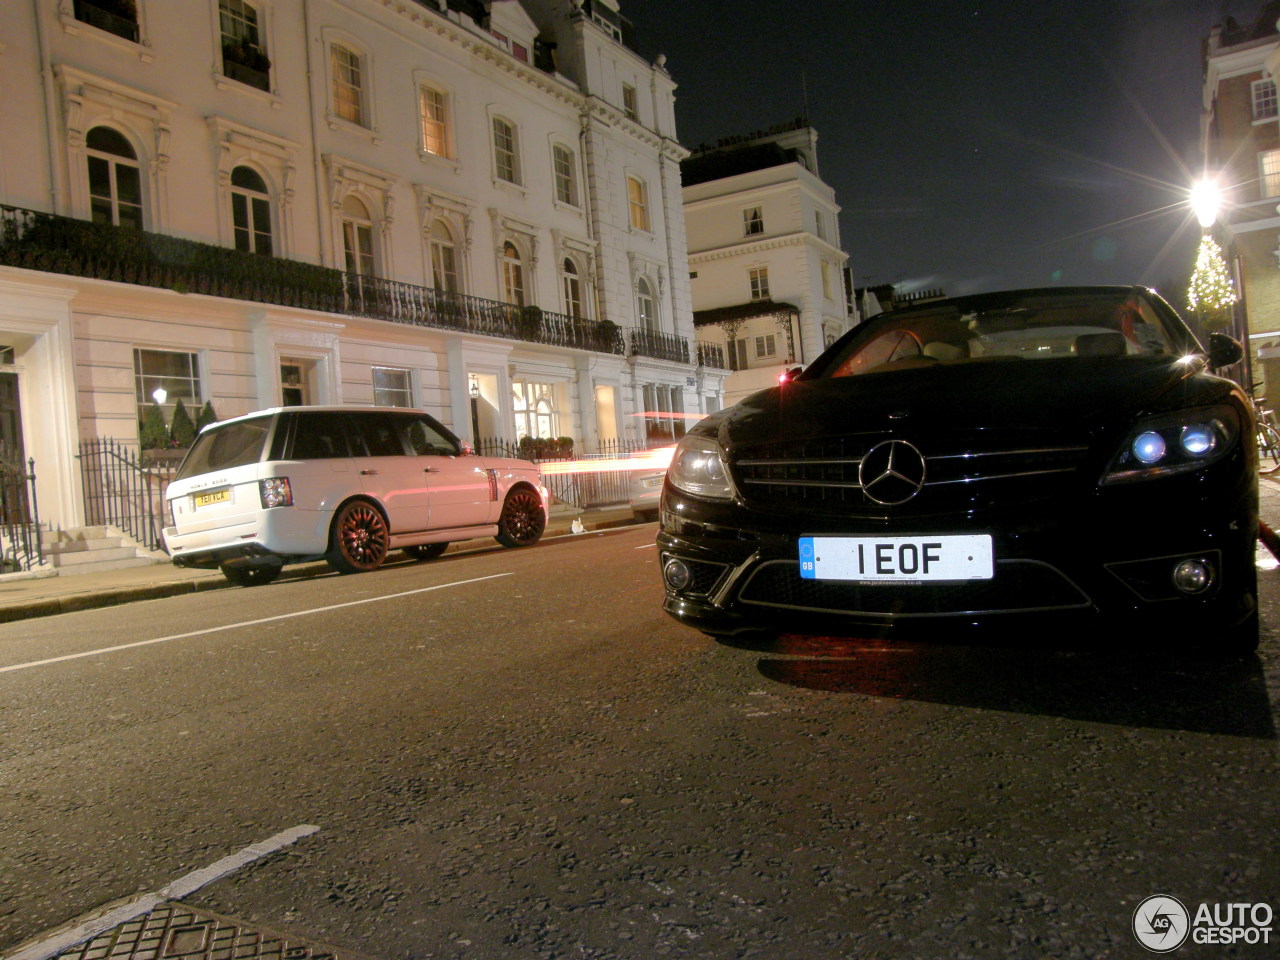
[430, 469]
[368, 473]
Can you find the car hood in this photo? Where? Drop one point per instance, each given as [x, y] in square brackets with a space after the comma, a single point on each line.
[1069, 394]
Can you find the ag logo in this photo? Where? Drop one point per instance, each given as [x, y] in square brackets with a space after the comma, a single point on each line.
[1161, 923]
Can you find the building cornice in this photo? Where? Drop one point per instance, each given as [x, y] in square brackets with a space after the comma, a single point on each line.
[733, 251]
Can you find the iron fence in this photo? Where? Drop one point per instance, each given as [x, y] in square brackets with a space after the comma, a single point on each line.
[583, 479]
[124, 489]
[20, 537]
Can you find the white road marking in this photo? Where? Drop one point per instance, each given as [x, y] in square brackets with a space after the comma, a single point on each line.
[243, 623]
[645, 546]
[182, 887]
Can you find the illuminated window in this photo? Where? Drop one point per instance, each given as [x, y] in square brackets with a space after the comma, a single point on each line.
[512, 275]
[174, 373]
[637, 204]
[392, 387]
[1270, 163]
[759, 277]
[534, 406]
[348, 93]
[434, 109]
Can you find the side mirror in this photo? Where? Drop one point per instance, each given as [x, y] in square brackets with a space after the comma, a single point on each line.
[1223, 351]
[466, 449]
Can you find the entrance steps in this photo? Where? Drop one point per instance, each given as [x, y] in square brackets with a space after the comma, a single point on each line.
[95, 550]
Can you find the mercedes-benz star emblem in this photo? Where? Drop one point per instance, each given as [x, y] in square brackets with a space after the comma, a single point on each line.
[891, 473]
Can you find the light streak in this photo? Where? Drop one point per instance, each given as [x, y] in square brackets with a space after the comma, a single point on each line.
[656, 459]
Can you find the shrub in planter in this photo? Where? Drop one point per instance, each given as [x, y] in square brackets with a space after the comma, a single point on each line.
[181, 430]
[207, 416]
[155, 432]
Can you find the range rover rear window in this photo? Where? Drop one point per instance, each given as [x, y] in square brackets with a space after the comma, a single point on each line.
[224, 446]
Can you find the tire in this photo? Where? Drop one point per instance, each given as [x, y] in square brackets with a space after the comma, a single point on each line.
[1268, 448]
[359, 541]
[522, 520]
[255, 576]
[426, 551]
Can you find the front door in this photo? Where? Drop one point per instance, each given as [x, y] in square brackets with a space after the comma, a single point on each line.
[10, 419]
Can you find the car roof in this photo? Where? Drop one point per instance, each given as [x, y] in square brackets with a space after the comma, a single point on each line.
[319, 408]
[978, 301]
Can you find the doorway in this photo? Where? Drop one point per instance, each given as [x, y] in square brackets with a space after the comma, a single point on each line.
[10, 419]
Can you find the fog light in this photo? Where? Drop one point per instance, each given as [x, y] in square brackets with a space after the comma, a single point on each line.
[1192, 576]
[677, 574]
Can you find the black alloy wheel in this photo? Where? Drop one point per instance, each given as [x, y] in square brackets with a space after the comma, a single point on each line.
[426, 551]
[522, 520]
[360, 538]
[254, 576]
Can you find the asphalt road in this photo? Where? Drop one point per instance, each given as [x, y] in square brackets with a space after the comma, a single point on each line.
[515, 754]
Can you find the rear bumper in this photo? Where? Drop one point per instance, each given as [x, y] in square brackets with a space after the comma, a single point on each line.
[285, 533]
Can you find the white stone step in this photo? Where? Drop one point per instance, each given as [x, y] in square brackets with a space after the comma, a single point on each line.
[79, 558]
[101, 566]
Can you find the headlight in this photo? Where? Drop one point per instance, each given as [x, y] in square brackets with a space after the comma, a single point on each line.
[1175, 443]
[697, 467]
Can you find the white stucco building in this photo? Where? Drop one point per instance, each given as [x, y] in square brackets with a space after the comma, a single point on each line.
[764, 254]
[469, 207]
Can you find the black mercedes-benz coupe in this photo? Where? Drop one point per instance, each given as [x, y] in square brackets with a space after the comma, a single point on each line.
[1054, 457]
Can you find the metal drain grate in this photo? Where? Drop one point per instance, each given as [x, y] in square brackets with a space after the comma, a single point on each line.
[173, 931]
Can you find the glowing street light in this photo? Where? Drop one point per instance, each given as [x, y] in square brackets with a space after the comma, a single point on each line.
[1206, 201]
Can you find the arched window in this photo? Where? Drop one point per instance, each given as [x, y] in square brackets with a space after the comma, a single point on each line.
[115, 179]
[512, 275]
[357, 237]
[637, 204]
[572, 285]
[444, 264]
[250, 211]
[646, 306]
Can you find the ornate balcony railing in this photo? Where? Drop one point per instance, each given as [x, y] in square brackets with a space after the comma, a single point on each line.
[661, 346]
[107, 20]
[42, 241]
[711, 355]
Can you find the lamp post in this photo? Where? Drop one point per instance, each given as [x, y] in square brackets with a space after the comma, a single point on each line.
[1213, 285]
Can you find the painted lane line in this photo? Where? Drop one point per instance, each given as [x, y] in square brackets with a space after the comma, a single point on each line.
[182, 887]
[645, 546]
[243, 623]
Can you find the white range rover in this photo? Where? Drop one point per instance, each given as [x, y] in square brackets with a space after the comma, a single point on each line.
[343, 484]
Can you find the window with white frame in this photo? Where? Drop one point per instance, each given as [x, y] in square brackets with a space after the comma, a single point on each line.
[637, 204]
[759, 277]
[738, 355]
[357, 238]
[646, 306]
[766, 346]
[512, 275]
[663, 412]
[1269, 163]
[115, 178]
[535, 409]
[347, 69]
[505, 157]
[163, 377]
[444, 264]
[752, 221]
[572, 285]
[1264, 99]
[828, 282]
[629, 102]
[392, 387]
[433, 107]
[564, 168]
[250, 211]
[244, 56]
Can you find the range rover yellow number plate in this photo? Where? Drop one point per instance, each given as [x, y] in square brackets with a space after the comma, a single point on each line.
[212, 497]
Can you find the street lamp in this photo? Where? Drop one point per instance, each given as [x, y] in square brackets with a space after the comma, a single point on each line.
[1206, 201]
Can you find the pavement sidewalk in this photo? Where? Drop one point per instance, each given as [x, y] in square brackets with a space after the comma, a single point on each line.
[43, 592]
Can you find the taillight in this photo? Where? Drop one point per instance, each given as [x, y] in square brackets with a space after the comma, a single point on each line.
[275, 492]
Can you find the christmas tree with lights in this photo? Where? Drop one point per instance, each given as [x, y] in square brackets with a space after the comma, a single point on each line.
[1211, 294]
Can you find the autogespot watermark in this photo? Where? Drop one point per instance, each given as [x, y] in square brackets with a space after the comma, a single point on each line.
[1162, 924]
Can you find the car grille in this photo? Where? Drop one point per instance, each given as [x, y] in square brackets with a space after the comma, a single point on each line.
[962, 471]
[1018, 586]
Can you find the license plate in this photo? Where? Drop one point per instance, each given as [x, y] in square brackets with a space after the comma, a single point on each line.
[213, 496]
[896, 559]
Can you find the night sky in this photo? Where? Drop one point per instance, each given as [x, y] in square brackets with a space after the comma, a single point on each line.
[972, 146]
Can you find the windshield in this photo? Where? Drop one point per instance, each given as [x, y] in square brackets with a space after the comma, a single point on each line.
[226, 445]
[1037, 326]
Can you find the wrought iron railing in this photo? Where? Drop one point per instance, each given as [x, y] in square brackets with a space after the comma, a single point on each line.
[20, 537]
[710, 355]
[580, 485]
[43, 241]
[124, 489]
[104, 19]
[661, 346]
